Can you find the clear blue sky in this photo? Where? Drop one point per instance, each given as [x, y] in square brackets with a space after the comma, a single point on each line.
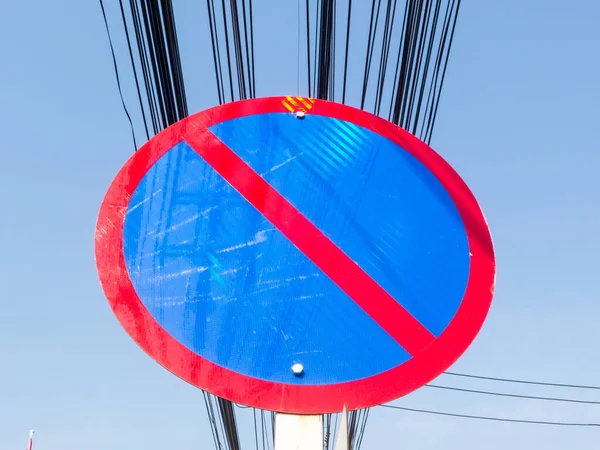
[518, 120]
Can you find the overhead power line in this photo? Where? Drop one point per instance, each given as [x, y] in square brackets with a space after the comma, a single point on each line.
[496, 419]
[503, 394]
[116, 67]
[403, 59]
[232, 42]
[512, 380]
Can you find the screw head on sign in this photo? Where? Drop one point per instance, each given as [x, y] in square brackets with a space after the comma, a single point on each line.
[300, 114]
[297, 369]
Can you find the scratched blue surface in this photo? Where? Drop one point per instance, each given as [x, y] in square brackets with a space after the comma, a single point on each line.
[222, 281]
[374, 200]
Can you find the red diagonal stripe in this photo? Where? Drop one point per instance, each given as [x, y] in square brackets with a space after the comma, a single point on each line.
[344, 272]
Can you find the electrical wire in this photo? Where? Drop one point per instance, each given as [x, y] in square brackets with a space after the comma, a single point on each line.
[239, 49]
[347, 45]
[216, 51]
[112, 50]
[133, 65]
[519, 381]
[496, 419]
[503, 394]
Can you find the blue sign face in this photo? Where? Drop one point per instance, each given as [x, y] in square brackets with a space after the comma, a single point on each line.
[255, 277]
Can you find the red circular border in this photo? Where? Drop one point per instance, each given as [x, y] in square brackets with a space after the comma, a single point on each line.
[200, 372]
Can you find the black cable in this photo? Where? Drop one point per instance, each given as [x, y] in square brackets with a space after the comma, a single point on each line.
[332, 46]
[320, 50]
[174, 58]
[347, 48]
[326, 431]
[229, 423]
[171, 51]
[266, 431]
[401, 68]
[326, 30]
[421, 39]
[112, 50]
[237, 47]
[214, 50]
[247, 45]
[443, 74]
[362, 429]
[371, 37]
[221, 422]
[353, 437]
[143, 55]
[503, 394]
[262, 427]
[255, 428]
[434, 92]
[308, 45]
[298, 37]
[252, 49]
[335, 425]
[431, 97]
[316, 47]
[157, 87]
[273, 427]
[227, 49]
[497, 419]
[395, 84]
[173, 68]
[386, 45]
[519, 381]
[436, 15]
[217, 46]
[352, 416]
[137, 84]
[159, 58]
[410, 62]
[211, 418]
[381, 71]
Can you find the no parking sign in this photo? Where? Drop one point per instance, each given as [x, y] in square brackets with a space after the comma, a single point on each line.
[295, 262]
